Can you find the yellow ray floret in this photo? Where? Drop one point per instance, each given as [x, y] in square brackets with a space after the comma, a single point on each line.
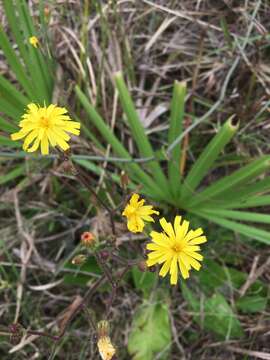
[137, 213]
[176, 248]
[44, 126]
[106, 348]
[33, 40]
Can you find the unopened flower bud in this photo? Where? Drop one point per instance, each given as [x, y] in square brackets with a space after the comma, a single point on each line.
[142, 266]
[124, 179]
[46, 11]
[16, 333]
[104, 254]
[79, 259]
[87, 239]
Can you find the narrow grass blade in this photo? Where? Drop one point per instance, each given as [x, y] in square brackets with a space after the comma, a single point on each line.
[38, 68]
[13, 174]
[10, 110]
[230, 183]
[175, 129]
[138, 132]
[133, 169]
[10, 93]
[207, 158]
[8, 142]
[7, 126]
[15, 65]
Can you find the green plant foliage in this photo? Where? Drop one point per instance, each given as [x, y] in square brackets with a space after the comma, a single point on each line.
[252, 304]
[150, 334]
[230, 192]
[144, 281]
[214, 314]
[32, 67]
[78, 275]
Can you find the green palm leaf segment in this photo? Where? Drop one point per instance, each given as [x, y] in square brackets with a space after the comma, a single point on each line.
[207, 159]
[138, 133]
[175, 129]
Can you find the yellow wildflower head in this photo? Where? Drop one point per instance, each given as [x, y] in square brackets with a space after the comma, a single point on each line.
[175, 247]
[33, 40]
[41, 126]
[137, 213]
[105, 347]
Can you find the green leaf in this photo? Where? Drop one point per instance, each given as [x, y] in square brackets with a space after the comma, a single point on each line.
[249, 231]
[219, 318]
[251, 304]
[78, 274]
[214, 314]
[239, 215]
[134, 170]
[150, 333]
[13, 174]
[231, 182]
[175, 129]
[144, 281]
[207, 158]
[138, 132]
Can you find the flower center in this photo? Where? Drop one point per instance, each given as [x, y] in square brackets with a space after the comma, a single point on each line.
[177, 248]
[44, 122]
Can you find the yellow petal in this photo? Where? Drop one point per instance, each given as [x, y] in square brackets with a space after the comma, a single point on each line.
[189, 261]
[165, 268]
[174, 272]
[198, 240]
[34, 146]
[183, 269]
[193, 233]
[194, 255]
[44, 145]
[134, 199]
[18, 135]
[167, 227]
[160, 239]
[29, 138]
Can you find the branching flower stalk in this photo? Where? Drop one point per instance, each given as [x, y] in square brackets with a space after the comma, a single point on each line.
[174, 247]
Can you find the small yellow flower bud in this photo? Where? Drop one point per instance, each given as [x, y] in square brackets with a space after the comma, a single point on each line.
[87, 239]
[33, 40]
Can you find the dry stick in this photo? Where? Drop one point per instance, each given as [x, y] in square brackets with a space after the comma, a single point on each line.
[82, 178]
[254, 274]
[27, 247]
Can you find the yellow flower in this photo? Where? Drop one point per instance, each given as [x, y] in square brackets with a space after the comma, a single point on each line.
[42, 126]
[136, 213]
[106, 348]
[175, 247]
[33, 40]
